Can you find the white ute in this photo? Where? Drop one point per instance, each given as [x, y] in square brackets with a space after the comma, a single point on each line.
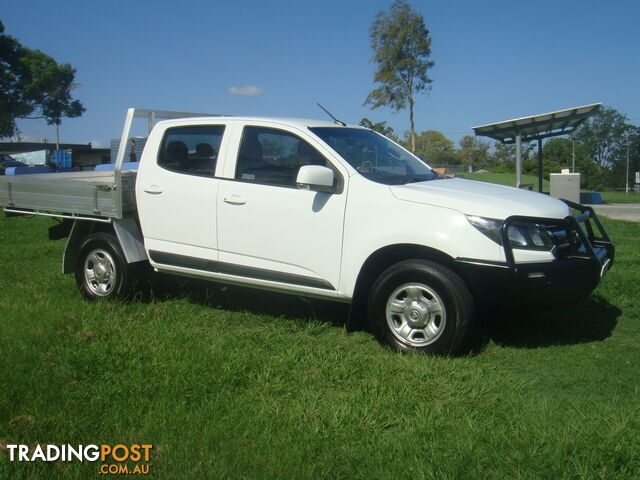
[320, 209]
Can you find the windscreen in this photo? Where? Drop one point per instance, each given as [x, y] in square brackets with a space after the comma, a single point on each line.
[374, 156]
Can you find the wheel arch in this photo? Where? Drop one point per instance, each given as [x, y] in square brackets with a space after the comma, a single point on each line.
[80, 230]
[126, 231]
[378, 262]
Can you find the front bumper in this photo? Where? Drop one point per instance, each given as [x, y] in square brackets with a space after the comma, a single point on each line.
[583, 253]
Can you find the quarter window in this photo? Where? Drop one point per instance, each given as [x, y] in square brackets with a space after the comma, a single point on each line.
[191, 150]
[273, 157]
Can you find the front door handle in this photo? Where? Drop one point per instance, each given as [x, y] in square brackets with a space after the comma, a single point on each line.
[235, 200]
[153, 189]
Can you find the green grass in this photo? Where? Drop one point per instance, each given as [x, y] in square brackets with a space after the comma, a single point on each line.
[509, 179]
[620, 197]
[239, 384]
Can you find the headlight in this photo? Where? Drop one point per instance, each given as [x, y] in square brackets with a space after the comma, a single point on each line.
[489, 226]
[528, 236]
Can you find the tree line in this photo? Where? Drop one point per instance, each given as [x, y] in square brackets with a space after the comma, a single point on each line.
[598, 149]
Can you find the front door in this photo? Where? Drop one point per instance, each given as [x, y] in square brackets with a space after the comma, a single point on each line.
[268, 229]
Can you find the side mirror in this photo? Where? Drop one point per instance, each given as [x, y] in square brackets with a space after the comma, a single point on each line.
[316, 178]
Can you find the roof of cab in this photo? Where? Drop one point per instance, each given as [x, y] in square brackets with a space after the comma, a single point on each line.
[293, 122]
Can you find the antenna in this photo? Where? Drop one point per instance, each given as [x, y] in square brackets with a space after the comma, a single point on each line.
[336, 121]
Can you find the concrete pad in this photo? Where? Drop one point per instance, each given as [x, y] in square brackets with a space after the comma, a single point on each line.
[619, 211]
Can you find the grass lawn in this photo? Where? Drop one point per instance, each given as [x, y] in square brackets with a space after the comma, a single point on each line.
[620, 197]
[510, 180]
[232, 383]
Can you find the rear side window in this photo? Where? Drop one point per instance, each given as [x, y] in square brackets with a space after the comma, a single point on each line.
[273, 157]
[191, 150]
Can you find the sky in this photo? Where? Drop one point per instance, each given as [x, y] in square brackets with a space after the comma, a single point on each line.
[494, 60]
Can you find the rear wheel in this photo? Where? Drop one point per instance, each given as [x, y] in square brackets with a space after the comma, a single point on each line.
[102, 271]
[421, 306]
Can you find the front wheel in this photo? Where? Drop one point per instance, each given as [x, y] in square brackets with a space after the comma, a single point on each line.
[101, 269]
[421, 306]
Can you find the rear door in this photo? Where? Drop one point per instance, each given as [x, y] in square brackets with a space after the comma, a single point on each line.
[176, 192]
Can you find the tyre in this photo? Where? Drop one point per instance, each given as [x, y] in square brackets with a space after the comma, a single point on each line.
[102, 272]
[421, 306]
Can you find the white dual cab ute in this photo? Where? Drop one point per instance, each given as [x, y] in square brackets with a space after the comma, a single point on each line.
[319, 209]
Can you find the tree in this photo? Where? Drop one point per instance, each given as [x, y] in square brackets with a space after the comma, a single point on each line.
[503, 158]
[402, 50]
[634, 154]
[557, 154]
[33, 85]
[603, 135]
[474, 152]
[563, 151]
[12, 102]
[380, 127]
[433, 141]
[616, 175]
[434, 147]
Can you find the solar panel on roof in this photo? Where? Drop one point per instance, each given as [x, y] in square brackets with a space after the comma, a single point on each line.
[538, 126]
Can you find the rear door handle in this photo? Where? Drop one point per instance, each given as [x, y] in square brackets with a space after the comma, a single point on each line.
[153, 189]
[235, 200]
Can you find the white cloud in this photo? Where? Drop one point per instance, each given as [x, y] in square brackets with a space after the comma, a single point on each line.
[248, 90]
[96, 144]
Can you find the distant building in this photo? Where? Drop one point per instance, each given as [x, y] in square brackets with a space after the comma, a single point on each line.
[83, 156]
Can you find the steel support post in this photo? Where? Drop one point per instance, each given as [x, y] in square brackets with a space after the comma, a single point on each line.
[540, 165]
[518, 160]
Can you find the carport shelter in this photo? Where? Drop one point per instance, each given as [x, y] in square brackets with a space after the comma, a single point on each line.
[536, 127]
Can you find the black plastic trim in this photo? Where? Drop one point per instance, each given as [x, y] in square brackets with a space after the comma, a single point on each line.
[482, 263]
[195, 263]
[570, 224]
[569, 277]
[184, 261]
[560, 283]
